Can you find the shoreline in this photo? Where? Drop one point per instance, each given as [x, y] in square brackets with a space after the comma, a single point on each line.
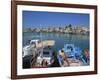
[57, 32]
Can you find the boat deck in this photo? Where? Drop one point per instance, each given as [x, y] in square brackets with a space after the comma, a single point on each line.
[73, 62]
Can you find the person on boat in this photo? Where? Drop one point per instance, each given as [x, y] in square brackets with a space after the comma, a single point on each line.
[44, 63]
[86, 56]
[54, 61]
[86, 52]
[64, 56]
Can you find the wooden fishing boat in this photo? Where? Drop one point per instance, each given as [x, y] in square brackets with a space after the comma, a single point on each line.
[70, 56]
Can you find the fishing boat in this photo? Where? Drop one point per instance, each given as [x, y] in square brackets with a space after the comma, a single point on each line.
[70, 55]
[36, 52]
[36, 45]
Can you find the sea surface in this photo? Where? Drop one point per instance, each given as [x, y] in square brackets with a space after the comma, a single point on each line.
[79, 40]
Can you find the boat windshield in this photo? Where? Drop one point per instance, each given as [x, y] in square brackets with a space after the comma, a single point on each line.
[32, 43]
[46, 54]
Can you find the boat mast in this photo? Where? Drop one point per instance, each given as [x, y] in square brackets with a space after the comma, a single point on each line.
[41, 41]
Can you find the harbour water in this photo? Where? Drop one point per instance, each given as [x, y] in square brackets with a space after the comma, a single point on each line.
[79, 40]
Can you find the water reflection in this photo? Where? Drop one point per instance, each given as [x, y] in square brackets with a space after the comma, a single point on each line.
[78, 40]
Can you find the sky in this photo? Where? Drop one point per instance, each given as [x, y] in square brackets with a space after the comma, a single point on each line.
[33, 19]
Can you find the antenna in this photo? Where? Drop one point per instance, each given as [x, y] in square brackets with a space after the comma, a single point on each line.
[41, 40]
